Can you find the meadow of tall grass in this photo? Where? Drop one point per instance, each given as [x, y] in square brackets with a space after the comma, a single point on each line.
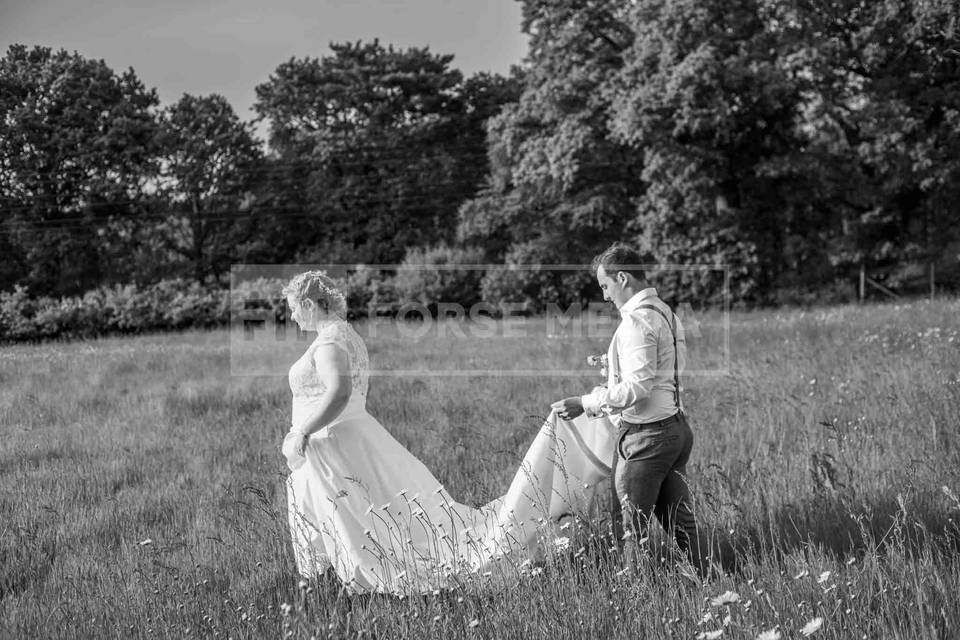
[142, 490]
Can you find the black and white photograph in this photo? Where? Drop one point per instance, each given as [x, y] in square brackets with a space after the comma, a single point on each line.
[500, 319]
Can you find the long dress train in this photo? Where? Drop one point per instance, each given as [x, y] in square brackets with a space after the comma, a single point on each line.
[365, 506]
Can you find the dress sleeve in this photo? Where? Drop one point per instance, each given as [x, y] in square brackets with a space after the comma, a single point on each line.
[330, 335]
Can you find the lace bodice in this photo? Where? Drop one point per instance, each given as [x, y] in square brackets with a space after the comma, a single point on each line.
[303, 378]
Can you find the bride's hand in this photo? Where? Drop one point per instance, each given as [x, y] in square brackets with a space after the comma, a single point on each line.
[294, 448]
[302, 445]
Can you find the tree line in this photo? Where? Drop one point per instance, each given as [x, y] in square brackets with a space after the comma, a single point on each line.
[792, 143]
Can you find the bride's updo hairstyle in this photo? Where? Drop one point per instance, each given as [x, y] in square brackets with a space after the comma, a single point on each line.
[319, 287]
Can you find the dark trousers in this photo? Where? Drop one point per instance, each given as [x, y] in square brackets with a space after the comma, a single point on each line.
[649, 477]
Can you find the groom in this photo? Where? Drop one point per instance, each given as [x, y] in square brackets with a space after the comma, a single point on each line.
[642, 398]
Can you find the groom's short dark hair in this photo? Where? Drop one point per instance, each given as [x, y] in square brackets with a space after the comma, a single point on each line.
[622, 257]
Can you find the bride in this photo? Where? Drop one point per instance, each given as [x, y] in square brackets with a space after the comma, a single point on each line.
[363, 505]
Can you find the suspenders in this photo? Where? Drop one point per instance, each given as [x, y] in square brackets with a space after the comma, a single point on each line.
[676, 353]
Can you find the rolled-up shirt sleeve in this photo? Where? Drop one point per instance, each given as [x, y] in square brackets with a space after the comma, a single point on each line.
[637, 349]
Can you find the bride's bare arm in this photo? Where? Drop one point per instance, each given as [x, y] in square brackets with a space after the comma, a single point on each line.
[333, 370]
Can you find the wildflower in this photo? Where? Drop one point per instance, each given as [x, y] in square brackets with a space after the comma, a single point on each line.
[770, 634]
[286, 609]
[802, 574]
[402, 493]
[710, 635]
[727, 597]
[536, 571]
[823, 577]
[438, 490]
[474, 623]
[144, 543]
[812, 627]
[303, 584]
[562, 543]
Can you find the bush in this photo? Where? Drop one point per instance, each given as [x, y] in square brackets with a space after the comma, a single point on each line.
[369, 291]
[17, 310]
[259, 293]
[197, 306]
[169, 304]
[431, 276]
[66, 317]
[519, 284]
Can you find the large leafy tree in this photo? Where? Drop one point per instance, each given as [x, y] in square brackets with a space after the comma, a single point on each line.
[792, 141]
[375, 148]
[560, 185]
[887, 81]
[77, 152]
[211, 166]
[704, 96]
[787, 141]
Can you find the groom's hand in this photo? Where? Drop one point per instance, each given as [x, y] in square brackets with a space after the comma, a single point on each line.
[568, 408]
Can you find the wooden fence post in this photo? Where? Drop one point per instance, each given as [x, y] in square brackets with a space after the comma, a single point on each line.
[863, 282]
[933, 281]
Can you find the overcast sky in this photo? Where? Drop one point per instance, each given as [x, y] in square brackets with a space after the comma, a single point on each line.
[230, 46]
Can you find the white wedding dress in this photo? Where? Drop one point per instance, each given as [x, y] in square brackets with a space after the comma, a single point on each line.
[365, 506]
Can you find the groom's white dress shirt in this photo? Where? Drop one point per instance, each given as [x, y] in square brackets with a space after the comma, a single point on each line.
[640, 372]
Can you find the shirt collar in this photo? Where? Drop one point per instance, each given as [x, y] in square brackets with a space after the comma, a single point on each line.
[636, 299]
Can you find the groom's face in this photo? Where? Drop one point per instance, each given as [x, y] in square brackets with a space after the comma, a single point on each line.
[612, 286]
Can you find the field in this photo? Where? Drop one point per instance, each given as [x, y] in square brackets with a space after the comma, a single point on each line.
[142, 491]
